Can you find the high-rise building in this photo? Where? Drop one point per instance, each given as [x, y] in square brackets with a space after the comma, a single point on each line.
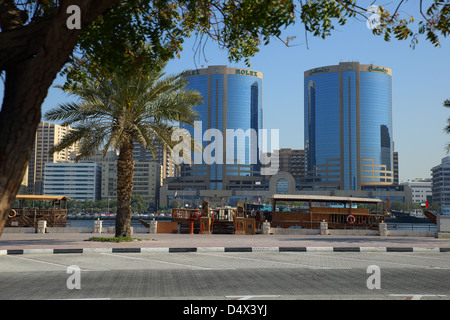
[228, 127]
[348, 126]
[162, 157]
[396, 170]
[228, 167]
[47, 136]
[288, 160]
[292, 161]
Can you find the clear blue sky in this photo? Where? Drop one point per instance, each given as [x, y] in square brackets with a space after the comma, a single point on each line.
[420, 84]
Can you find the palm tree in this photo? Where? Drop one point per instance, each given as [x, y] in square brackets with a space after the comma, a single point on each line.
[114, 112]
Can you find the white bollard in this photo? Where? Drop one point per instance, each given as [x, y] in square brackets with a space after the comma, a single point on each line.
[323, 228]
[98, 225]
[382, 229]
[153, 227]
[266, 228]
[42, 226]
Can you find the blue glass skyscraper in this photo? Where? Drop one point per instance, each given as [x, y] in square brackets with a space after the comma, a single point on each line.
[348, 126]
[232, 105]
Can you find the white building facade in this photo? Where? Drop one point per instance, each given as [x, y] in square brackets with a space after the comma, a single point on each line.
[441, 183]
[78, 181]
[420, 190]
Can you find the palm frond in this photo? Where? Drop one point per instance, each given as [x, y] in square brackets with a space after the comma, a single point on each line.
[71, 138]
[144, 107]
[447, 103]
[91, 142]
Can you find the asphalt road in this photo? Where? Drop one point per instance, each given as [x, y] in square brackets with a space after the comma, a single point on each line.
[227, 276]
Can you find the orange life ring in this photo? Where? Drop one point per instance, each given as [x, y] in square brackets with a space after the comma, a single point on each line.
[351, 219]
[13, 213]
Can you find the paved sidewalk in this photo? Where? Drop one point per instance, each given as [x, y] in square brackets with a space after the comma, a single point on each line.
[20, 243]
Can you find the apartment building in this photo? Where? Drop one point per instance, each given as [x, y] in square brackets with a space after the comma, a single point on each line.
[47, 136]
[145, 181]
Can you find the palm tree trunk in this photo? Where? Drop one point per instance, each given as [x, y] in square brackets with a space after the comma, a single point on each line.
[125, 166]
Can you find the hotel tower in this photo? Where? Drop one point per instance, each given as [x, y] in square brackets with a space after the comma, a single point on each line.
[348, 126]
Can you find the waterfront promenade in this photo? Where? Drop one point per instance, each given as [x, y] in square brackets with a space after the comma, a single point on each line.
[11, 243]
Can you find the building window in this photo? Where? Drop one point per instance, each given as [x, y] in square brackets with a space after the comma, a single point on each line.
[282, 186]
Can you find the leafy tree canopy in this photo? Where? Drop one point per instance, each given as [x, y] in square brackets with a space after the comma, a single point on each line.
[238, 26]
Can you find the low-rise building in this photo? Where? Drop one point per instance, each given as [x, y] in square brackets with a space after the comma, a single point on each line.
[78, 181]
[420, 190]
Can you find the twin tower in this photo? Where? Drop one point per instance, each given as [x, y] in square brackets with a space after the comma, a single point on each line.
[347, 126]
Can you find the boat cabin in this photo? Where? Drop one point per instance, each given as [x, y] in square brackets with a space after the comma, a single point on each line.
[308, 211]
[27, 210]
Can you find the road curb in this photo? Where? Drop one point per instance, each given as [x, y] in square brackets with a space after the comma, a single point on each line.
[222, 249]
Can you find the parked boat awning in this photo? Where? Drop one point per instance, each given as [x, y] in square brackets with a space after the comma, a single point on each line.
[318, 198]
[40, 197]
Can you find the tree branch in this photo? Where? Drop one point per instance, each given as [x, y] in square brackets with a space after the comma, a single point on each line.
[11, 17]
[23, 42]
